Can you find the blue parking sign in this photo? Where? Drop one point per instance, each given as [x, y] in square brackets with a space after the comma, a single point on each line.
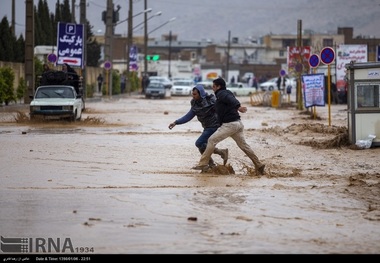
[70, 44]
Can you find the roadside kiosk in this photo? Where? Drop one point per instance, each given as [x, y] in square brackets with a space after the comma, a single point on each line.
[363, 101]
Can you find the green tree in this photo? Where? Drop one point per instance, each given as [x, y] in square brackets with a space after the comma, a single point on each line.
[65, 12]
[21, 89]
[44, 24]
[115, 83]
[93, 47]
[6, 87]
[19, 54]
[7, 41]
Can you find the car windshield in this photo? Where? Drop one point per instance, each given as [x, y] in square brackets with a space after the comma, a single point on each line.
[182, 83]
[54, 92]
[156, 85]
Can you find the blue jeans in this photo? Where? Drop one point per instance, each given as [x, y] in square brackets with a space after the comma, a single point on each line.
[201, 142]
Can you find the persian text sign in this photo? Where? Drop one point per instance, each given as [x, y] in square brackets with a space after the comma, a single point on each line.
[70, 44]
[346, 54]
[314, 89]
[298, 60]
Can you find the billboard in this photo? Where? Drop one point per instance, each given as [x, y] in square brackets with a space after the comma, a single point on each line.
[346, 54]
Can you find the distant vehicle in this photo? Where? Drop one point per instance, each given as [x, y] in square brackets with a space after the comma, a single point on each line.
[240, 89]
[269, 85]
[181, 78]
[182, 87]
[272, 84]
[157, 89]
[207, 84]
[54, 102]
[166, 81]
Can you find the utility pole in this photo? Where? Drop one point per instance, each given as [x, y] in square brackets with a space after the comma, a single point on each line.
[145, 38]
[130, 28]
[299, 44]
[228, 56]
[13, 27]
[29, 49]
[170, 54]
[73, 11]
[108, 44]
[83, 21]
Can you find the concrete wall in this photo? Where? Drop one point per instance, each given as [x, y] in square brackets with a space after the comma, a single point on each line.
[19, 71]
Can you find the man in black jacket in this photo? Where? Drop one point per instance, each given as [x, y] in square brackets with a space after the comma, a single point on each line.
[202, 106]
[228, 108]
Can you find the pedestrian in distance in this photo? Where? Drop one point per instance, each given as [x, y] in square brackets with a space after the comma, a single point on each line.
[202, 106]
[144, 83]
[100, 82]
[334, 93]
[227, 109]
[281, 83]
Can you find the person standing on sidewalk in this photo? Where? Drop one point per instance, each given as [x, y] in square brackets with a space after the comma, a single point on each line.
[100, 82]
[227, 109]
[202, 106]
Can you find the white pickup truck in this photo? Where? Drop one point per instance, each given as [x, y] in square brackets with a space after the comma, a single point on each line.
[240, 89]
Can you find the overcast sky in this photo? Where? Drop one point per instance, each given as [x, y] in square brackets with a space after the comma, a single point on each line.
[212, 19]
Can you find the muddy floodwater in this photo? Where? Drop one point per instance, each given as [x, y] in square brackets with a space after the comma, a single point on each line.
[120, 182]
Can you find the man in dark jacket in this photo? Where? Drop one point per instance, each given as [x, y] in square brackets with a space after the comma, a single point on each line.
[227, 109]
[202, 106]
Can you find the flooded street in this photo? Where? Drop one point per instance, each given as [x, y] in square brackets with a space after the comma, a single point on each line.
[120, 182]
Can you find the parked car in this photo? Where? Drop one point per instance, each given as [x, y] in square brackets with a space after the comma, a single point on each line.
[240, 89]
[207, 84]
[166, 81]
[182, 87]
[272, 84]
[157, 89]
[269, 85]
[56, 102]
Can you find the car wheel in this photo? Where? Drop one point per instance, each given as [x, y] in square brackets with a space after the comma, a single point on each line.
[74, 117]
[271, 88]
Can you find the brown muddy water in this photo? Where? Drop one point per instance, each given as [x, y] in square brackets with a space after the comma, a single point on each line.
[120, 182]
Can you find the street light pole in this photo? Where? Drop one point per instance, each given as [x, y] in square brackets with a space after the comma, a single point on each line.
[129, 43]
[145, 42]
[146, 10]
[170, 53]
[170, 20]
[149, 18]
